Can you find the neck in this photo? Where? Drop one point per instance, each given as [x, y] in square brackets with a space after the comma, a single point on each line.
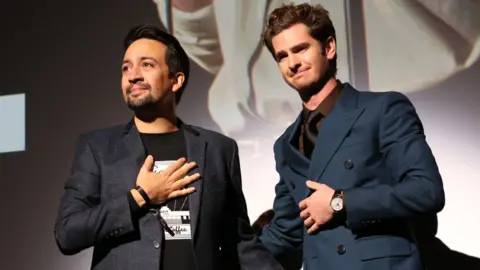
[156, 122]
[320, 96]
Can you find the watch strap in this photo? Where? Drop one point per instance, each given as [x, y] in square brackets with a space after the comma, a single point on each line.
[144, 195]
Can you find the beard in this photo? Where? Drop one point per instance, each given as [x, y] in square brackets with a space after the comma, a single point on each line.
[142, 103]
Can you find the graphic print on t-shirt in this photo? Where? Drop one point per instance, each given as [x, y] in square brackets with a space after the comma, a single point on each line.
[176, 213]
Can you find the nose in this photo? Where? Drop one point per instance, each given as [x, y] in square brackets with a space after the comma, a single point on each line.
[135, 75]
[293, 62]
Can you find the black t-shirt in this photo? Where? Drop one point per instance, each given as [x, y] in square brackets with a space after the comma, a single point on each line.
[177, 250]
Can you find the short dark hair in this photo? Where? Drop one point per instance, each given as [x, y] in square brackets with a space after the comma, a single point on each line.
[315, 17]
[175, 57]
[264, 219]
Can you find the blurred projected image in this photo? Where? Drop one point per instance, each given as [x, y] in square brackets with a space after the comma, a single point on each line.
[248, 98]
[402, 45]
[248, 94]
[415, 44]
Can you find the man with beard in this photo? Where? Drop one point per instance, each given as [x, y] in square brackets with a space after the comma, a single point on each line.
[355, 170]
[133, 196]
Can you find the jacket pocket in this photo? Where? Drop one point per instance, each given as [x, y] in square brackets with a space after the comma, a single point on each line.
[376, 247]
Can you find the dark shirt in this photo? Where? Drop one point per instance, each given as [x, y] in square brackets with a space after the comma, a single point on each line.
[177, 254]
[312, 121]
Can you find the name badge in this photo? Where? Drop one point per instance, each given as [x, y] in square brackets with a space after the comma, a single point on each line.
[179, 223]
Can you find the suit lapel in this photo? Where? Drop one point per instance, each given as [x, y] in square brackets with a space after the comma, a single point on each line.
[335, 128]
[196, 149]
[136, 151]
[295, 160]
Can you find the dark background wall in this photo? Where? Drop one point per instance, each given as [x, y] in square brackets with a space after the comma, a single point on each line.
[66, 56]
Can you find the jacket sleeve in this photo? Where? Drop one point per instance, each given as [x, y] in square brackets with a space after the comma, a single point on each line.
[83, 219]
[284, 234]
[417, 188]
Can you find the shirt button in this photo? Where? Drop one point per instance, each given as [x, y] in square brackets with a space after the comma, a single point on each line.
[156, 244]
[341, 249]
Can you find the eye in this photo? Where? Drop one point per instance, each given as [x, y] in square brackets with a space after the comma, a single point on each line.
[147, 64]
[280, 57]
[301, 49]
[125, 68]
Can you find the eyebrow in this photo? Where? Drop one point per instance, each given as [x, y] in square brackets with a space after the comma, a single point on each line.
[293, 48]
[143, 58]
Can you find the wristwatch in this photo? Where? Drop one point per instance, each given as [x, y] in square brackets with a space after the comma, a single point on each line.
[337, 201]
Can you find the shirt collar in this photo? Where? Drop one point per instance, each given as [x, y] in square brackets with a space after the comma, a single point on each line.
[327, 105]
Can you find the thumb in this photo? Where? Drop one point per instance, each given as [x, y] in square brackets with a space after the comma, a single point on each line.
[312, 185]
[147, 165]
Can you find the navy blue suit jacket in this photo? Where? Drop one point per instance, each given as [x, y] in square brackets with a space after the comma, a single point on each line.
[95, 212]
[372, 146]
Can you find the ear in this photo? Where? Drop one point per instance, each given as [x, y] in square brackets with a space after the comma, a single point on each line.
[177, 81]
[330, 48]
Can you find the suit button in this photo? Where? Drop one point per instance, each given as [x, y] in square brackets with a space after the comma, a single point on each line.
[341, 249]
[348, 164]
[156, 244]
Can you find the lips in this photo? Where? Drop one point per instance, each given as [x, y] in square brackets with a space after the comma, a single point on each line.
[299, 73]
[137, 90]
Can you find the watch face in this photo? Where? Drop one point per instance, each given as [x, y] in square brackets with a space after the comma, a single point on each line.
[337, 204]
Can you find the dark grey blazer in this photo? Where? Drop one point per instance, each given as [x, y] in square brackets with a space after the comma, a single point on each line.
[94, 210]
